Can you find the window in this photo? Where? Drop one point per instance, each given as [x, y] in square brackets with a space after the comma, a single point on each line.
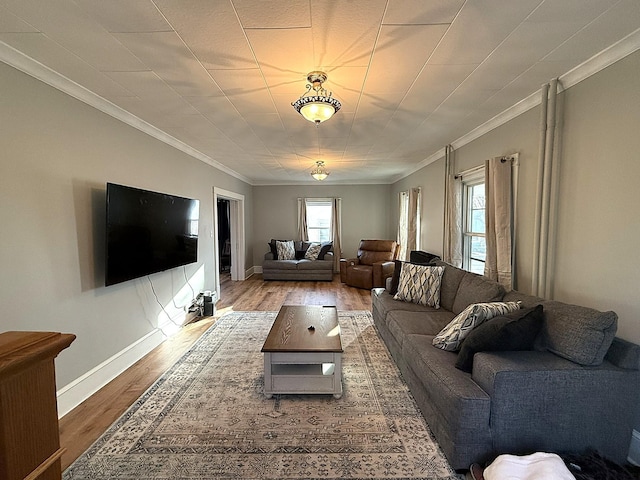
[319, 220]
[473, 221]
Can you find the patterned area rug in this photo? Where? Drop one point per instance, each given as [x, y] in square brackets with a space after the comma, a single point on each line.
[207, 417]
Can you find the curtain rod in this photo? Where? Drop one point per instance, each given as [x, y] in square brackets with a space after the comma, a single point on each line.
[471, 170]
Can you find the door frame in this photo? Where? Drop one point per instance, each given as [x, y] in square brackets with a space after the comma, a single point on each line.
[236, 225]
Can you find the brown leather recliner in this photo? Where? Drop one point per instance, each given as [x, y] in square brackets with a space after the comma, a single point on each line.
[374, 264]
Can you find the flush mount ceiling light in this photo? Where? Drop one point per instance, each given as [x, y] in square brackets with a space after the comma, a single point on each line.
[316, 104]
[319, 172]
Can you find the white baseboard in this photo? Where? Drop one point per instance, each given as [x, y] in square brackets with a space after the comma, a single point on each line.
[257, 269]
[73, 394]
[634, 449]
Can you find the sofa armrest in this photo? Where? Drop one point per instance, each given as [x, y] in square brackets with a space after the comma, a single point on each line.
[344, 262]
[328, 257]
[381, 271]
[557, 404]
[268, 256]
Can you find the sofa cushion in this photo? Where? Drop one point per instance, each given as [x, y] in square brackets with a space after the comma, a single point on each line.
[580, 334]
[286, 250]
[306, 264]
[451, 336]
[525, 300]
[476, 289]
[511, 332]
[313, 251]
[301, 249]
[272, 247]
[384, 304]
[325, 248]
[464, 406]
[428, 322]
[280, 265]
[420, 284]
[451, 279]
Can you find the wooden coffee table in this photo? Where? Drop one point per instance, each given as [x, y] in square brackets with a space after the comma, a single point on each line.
[299, 359]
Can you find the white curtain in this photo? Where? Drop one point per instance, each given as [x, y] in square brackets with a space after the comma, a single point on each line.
[336, 232]
[303, 233]
[452, 248]
[403, 221]
[499, 215]
[408, 222]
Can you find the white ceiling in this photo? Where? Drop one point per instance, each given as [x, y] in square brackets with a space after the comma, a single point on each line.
[220, 75]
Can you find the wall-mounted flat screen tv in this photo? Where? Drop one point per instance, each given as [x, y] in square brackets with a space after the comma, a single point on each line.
[148, 232]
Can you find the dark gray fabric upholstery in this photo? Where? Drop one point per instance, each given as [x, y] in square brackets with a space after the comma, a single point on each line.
[303, 269]
[512, 332]
[451, 279]
[557, 405]
[624, 354]
[526, 300]
[402, 323]
[513, 402]
[580, 334]
[476, 289]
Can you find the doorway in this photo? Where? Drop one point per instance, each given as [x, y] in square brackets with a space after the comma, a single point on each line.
[224, 236]
[229, 238]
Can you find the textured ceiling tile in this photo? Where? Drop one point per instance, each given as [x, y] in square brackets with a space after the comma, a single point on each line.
[419, 12]
[621, 20]
[258, 14]
[401, 53]
[286, 50]
[211, 31]
[244, 81]
[479, 28]
[10, 23]
[188, 67]
[344, 33]
[125, 15]
[44, 50]
[434, 85]
[85, 38]
[575, 11]
[269, 129]
[167, 56]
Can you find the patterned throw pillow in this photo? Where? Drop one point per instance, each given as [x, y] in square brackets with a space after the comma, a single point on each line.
[451, 336]
[286, 250]
[313, 251]
[420, 284]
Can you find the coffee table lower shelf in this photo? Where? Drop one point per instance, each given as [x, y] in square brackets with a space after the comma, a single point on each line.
[303, 373]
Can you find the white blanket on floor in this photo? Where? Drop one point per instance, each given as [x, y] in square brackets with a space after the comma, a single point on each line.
[537, 466]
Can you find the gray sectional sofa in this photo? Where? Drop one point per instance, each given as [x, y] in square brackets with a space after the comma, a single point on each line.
[579, 388]
[300, 268]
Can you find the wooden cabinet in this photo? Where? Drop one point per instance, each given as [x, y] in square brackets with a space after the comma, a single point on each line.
[29, 437]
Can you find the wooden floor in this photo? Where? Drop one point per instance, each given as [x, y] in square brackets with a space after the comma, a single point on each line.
[84, 424]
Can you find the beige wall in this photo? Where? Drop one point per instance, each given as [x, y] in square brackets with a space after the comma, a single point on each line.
[56, 155]
[365, 213]
[597, 260]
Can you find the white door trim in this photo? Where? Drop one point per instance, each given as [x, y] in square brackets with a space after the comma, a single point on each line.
[236, 220]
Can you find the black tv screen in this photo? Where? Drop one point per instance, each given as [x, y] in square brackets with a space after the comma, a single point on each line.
[148, 232]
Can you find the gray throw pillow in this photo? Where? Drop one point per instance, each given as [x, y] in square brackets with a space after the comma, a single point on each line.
[325, 247]
[512, 332]
[450, 337]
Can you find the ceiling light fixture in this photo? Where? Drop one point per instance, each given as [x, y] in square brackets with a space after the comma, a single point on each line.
[316, 104]
[319, 172]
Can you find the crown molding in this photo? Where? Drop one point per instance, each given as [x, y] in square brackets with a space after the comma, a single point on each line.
[32, 67]
[39, 71]
[600, 61]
